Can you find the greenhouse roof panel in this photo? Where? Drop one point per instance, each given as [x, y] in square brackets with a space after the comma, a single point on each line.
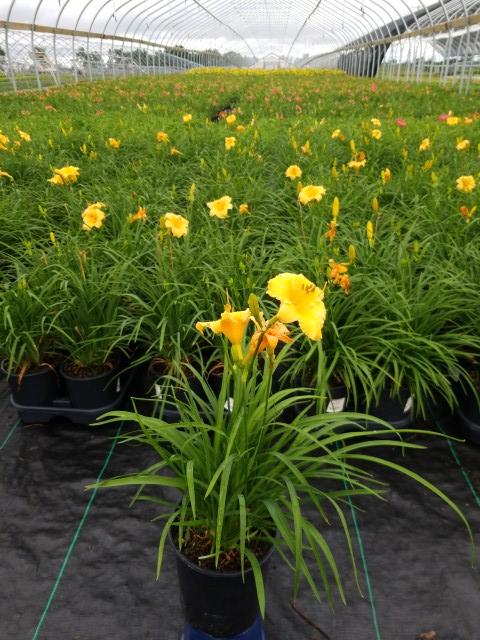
[256, 27]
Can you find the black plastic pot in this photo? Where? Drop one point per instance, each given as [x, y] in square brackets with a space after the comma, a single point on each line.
[162, 395]
[95, 391]
[468, 414]
[218, 603]
[397, 410]
[39, 387]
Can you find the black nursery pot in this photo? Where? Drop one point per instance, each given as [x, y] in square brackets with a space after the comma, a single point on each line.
[468, 414]
[95, 391]
[397, 410]
[218, 603]
[164, 394]
[38, 388]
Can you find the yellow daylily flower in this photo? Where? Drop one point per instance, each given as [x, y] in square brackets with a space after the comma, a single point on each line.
[231, 118]
[114, 143]
[243, 208]
[358, 162]
[175, 152]
[466, 184]
[233, 325]
[336, 133]
[187, 118]
[230, 142]
[4, 140]
[293, 172]
[65, 175]
[220, 208]
[140, 214]
[241, 128]
[175, 224]
[93, 216]
[376, 122]
[452, 121]
[463, 145]
[300, 301]
[306, 148]
[425, 144]
[376, 134]
[26, 137]
[162, 136]
[311, 192]
[386, 175]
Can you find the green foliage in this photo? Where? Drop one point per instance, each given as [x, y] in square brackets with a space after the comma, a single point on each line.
[247, 473]
[411, 316]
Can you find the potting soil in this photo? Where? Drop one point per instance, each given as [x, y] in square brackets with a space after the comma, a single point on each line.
[80, 565]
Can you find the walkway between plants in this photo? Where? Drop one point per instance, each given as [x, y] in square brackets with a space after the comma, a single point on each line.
[80, 565]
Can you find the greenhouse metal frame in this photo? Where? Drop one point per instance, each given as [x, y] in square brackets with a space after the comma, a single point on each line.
[50, 42]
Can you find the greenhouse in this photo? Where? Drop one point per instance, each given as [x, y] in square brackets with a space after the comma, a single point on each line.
[240, 319]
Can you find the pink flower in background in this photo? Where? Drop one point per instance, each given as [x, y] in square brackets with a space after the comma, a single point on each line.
[442, 117]
[401, 122]
[374, 87]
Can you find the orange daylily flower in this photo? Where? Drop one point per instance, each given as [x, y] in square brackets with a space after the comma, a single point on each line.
[267, 338]
[337, 272]
[140, 214]
[332, 231]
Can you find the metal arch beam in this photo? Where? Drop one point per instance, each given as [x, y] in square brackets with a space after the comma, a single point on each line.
[369, 38]
[370, 24]
[171, 38]
[153, 13]
[353, 26]
[332, 10]
[230, 28]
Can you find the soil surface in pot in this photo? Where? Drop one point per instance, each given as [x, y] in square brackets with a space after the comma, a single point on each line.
[200, 544]
[79, 371]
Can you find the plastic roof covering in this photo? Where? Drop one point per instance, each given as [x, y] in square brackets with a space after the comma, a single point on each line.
[254, 27]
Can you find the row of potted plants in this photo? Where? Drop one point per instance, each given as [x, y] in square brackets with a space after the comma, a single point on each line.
[91, 313]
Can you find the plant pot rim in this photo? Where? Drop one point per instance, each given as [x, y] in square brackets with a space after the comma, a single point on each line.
[43, 368]
[113, 370]
[226, 575]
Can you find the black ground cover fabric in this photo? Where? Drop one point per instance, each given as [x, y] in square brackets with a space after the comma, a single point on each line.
[77, 566]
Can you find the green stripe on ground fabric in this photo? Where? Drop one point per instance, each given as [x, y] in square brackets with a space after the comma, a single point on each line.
[371, 598]
[463, 471]
[10, 433]
[38, 628]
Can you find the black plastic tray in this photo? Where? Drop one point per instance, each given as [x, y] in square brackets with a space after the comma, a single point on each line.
[62, 408]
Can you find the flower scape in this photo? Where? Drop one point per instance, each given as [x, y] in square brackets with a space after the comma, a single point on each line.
[351, 213]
